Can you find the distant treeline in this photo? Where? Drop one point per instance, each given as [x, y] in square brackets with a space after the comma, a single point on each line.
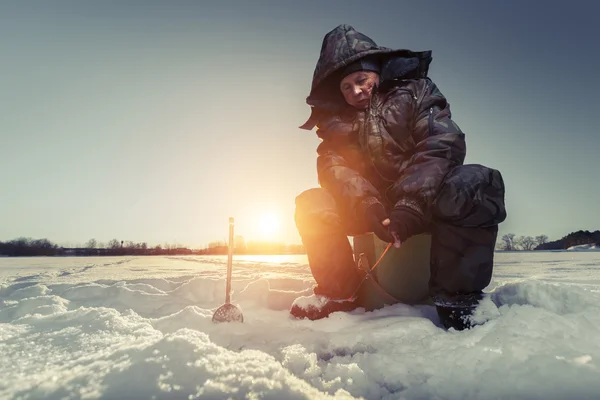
[572, 239]
[511, 242]
[28, 247]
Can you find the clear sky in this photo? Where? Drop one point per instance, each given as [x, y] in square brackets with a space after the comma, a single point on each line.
[156, 121]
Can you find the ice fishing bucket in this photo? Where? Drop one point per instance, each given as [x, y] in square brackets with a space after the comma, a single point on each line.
[402, 275]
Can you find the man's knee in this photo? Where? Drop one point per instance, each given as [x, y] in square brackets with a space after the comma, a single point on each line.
[316, 213]
[471, 196]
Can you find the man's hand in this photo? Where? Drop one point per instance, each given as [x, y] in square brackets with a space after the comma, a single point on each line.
[404, 223]
[377, 219]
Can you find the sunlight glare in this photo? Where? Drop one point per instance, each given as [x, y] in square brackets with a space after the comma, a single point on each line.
[269, 224]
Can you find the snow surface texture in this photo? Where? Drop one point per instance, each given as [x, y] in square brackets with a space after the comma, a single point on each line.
[584, 247]
[140, 328]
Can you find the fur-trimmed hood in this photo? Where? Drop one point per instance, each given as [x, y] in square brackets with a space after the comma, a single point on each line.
[343, 46]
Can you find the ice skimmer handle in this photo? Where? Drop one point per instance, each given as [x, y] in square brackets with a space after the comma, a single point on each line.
[229, 262]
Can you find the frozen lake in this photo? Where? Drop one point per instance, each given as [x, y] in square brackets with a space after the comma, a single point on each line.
[140, 327]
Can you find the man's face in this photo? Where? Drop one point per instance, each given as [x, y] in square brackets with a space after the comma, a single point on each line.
[357, 88]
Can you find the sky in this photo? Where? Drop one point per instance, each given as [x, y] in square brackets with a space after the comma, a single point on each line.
[156, 121]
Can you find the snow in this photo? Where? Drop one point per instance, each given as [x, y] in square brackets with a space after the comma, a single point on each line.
[312, 300]
[584, 247]
[140, 328]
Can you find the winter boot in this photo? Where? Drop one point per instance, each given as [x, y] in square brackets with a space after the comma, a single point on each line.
[319, 306]
[456, 311]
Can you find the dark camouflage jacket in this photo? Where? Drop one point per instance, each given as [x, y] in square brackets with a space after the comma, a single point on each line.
[399, 149]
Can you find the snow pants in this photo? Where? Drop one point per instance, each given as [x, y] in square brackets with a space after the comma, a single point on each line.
[463, 223]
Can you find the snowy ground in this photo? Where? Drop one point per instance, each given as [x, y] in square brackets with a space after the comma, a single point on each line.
[140, 328]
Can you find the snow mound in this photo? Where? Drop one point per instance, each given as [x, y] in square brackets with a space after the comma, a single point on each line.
[584, 247]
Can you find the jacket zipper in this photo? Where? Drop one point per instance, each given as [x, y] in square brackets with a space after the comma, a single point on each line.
[423, 94]
[363, 140]
[430, 122]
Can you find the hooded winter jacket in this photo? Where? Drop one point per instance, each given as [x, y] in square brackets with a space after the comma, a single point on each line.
[401, 147]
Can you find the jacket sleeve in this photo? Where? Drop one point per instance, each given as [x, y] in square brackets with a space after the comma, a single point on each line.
[338, 169]
[439, 146]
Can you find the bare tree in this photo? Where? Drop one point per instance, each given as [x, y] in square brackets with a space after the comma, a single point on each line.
[542, 239]
[91, 244]
[527, 243]
[114, 244]
[508, 240]
[518, 243]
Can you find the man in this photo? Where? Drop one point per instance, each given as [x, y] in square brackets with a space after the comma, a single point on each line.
[391, 163]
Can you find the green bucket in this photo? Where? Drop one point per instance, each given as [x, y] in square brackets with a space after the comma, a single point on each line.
[402, 275]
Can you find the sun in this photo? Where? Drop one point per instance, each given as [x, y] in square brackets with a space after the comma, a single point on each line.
[268, 224]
